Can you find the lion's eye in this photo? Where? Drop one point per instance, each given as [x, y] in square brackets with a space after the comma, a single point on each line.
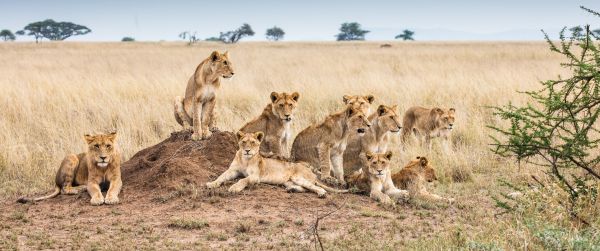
[225, 62]
[97, 146]
[108, 146]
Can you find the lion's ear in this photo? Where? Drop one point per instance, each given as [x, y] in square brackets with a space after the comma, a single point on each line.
[451, 110]
[214, 56]
[346, 98]
[295, 96]
[381, 110]
[226, 54]
[239, 135]
[112, 136]
[423, 161]
[274, 96]
[89, 138]
[388, 155]
[369, 155]
[370, 98]
[395, 107]
[259, 136]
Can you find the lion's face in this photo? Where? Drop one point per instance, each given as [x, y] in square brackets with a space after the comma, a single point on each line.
[426, 170]
[284, 104]
[388, 118]
[221, 65]
[378, 164]
[445, 119]
[357, 121]
[363, 103]
[101, 148]
[249, 143]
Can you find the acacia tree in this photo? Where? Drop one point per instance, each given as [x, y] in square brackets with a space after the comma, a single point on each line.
[7, 35]
[53, 30]
[191, 37]
[275, 33]
[559, 130]
[231, 37]
[406, 35]
[351, 31]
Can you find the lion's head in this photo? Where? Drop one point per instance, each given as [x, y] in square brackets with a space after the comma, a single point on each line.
[283, 105]
[378, 164]
[421, 165]
[359, 102]
[357, 121]
[443, 119]
[388, 119]
[220, 64]
[249, 143]
[101, 148]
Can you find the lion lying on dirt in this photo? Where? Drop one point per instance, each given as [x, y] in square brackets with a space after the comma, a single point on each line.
[100, 164]
[376, 179]
[248, 163]
[275, 122]
[428, 123]
[413, 177]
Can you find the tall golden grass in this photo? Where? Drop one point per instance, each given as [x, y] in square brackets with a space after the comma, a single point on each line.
[53, 93]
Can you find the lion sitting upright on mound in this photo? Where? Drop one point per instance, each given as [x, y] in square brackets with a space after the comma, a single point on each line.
[248, 163]
[100, 164]
[428, 123]
[196, 109]
[275, 122]
[413, 177]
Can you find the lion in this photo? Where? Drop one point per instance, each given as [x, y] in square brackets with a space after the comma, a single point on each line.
[359, 102]
[413, 177]
[384, 122]
[427, 124]
[275, 122]
[376, 179]
[101, 164]
[196, 109]
[323, 145]
[248, 163]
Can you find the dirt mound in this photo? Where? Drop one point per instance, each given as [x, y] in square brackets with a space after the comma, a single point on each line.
[178, 160]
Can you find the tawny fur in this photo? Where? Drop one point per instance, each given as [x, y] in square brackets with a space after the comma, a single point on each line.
[363, 103]
[275, 122]
[413, 177]
[196, 109]
[323, 145]
[384, 122]
[376, 179]
[427, 124]
[101, 163]
[253, 168]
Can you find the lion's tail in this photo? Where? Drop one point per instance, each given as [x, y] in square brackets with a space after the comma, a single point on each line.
[52, 195]
[330, 189]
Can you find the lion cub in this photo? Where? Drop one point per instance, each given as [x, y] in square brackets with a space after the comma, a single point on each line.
[427, 124]
[377, 180]
[100, 164]
[363, 103]
[275, 122]
[323, 145]
[413, 177]
[384, 122]
[196, 109]
[248, 163]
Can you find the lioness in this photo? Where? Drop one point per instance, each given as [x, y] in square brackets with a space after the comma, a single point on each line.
[248, 163]
[359, 102]
[100, 164]
[197, 107]
[376, 179]
[383, 122]
[275, 122]
[413, 177]
[427, 124]
[323, 145]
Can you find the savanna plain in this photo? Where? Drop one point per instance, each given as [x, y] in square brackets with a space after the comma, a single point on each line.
[51, 94]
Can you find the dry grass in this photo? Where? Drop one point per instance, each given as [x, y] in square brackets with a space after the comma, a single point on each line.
[53, 93]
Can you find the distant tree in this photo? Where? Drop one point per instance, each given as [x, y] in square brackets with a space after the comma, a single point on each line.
[128, 39]
[52, 30]
[576, 31]
[406, 35]
[351, 31]
[231, 37]
[213, 39]
[275, 33]
[191, 37]
[7, 35]
[596, 32]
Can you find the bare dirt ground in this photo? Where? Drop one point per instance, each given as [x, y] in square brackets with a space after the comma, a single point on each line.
[164, 205]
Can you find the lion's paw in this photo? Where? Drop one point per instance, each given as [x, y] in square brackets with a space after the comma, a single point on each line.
[206, 134]
[111, 200]
[196, 136]
[97, 201]
[213, 184]
[235, 188]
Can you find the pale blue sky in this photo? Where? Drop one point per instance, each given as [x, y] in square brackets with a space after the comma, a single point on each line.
[153, 20]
